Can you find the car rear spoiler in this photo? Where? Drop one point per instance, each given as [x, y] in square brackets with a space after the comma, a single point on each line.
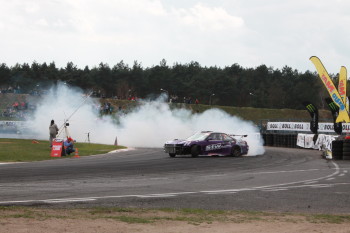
[242, 135]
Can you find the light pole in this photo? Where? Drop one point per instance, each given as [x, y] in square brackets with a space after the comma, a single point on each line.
[210, 98]
[167, 93]
[251, 95]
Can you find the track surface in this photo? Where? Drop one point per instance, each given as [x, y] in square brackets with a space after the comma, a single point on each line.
[282, 179]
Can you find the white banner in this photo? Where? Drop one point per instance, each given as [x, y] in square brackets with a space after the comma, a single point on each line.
[323, 141]
[305, 127]
[289, 126]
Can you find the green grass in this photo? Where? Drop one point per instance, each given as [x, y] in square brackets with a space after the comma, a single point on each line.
[190, 216]
[328, 218]
[22, 150]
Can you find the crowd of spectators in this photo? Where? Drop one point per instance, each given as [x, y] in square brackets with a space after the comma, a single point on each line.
[186, 100]
[106, 108]
[18, 110]
[10, 89]
[14, 105]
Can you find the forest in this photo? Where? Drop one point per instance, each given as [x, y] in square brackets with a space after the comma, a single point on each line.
[259, 87]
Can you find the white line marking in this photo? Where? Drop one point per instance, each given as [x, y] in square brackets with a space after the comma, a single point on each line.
[257, 173]
[220, 193]
[341, 174]
[312, 182]
[282, 184]
[10, 163]
[68, 200]
[140, 179]
[273, 190]
[330, 178]
[155, 195]
[121, 150]
[171, 194]
[322, 186]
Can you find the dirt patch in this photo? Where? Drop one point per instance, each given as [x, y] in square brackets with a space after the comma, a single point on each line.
[38, 220]
[5, 142]
[112, 226]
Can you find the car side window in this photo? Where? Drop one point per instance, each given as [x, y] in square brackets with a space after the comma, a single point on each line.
[210, 137]
[213, 136]
[227, 138]
[220, 137]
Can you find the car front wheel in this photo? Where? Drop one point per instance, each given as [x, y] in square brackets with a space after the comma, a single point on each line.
[195, 151]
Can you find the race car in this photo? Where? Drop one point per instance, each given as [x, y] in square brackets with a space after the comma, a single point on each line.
[207, 143]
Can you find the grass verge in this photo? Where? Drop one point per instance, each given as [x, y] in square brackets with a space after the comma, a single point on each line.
[23, 150]
[145, 216]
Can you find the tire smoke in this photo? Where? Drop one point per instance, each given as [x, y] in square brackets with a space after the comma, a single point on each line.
[148, 125]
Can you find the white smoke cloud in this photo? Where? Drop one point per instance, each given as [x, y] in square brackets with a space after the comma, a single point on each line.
[149, 125]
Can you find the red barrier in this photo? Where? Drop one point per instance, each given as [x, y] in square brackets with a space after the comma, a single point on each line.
[57, 148]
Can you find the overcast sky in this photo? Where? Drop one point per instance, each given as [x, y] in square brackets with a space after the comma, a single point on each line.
[212, 32]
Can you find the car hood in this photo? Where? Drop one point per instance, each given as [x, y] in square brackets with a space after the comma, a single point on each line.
[176, 141]
[180, 142]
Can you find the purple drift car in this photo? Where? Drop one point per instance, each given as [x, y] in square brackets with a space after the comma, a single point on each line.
[207, 143]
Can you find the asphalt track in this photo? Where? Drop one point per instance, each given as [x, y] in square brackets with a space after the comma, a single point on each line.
[282, 180]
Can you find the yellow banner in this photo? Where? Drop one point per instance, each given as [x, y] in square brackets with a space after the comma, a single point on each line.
[322, 72]
[342, 86]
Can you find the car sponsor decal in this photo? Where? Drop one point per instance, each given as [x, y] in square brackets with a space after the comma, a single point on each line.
[213, 147]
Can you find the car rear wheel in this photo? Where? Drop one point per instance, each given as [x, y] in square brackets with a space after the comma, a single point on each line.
[195, 151]
[172, 155]
[236, 152]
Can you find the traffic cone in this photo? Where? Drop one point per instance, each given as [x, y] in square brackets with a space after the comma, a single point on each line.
[76, 153]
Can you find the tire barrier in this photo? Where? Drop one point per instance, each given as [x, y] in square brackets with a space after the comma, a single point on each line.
[337, 150]
[340, 148]
[280, 140]
[346, 149]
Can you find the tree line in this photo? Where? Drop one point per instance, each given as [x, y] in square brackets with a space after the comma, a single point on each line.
[259, 87]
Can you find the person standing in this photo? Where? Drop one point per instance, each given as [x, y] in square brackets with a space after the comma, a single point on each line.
[53, 130]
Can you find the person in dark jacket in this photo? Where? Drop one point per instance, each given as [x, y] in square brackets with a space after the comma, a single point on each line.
[53, 130]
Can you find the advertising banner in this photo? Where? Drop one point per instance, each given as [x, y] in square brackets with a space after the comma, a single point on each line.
[313, 111]
[289, 126]
[57, 148]
[342, 86]
[333, 92]
[305, 127]
[338, 126]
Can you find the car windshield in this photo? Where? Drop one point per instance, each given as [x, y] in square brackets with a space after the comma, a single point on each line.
[198, 136]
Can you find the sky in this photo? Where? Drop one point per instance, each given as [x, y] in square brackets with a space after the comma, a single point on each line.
[275, 33]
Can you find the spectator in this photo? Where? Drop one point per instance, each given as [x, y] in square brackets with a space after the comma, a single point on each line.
[69, 146]
[53, 130]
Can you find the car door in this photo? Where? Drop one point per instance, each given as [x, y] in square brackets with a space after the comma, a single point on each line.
[226, 144]
[214, 144]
